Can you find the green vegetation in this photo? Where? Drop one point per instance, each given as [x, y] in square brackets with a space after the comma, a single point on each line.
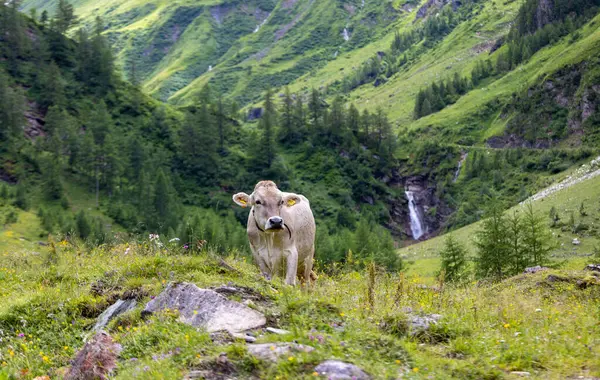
[108, 193]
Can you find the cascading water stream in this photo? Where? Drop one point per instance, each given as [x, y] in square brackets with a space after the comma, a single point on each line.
[346, 35]
[416, 225]
[262, 23]
[460, 164]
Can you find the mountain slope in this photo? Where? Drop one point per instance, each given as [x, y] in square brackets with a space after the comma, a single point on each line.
[175, 45]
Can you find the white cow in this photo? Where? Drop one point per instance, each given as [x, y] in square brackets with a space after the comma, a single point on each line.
[281, 230]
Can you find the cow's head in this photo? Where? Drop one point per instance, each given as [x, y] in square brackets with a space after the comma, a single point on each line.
[267, 205]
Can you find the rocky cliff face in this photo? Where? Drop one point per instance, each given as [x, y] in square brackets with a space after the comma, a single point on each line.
[564, 107]
[430, 210]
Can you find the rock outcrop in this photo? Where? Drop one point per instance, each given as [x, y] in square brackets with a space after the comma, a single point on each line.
[206, 309]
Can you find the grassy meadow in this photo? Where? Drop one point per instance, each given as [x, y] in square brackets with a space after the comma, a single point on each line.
[545, 324]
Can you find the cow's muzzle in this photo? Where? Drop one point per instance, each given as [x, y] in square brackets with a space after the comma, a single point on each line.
[274, 223]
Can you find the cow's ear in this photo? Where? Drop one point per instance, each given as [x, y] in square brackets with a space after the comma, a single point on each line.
[242, 199]
[290, 199]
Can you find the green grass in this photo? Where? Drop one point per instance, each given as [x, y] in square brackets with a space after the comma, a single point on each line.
[522, 324]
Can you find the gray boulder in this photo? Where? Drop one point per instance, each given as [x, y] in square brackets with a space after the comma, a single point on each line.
[272, 351]
[118, 308]
[206, 309]
[335, 369]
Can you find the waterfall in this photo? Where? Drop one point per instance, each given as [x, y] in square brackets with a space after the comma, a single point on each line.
[416, 225]
[346, 35]
[209, 67]
[262, 23]
[460, 164]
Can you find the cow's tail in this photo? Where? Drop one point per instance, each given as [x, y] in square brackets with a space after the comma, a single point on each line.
[313, 276]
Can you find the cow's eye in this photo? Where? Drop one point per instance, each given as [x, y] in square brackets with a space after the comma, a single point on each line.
[281, 203]
[258, 202]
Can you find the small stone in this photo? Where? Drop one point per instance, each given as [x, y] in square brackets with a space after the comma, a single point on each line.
[535, 269]
[246, 337]
[272, 351]
[576, 241]
[335, 369]
[592, 267]
[277, 331]
[521, 373]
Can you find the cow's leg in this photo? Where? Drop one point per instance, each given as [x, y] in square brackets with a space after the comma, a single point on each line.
[259, 258]
[309, 275]
[292, 266]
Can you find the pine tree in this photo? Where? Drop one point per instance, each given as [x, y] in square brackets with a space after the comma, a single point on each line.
[336, 122]
[536, 237]
[50, 86]
[454, 259]
[492, 244]
[164, 201]
[51, 177]
[362, 240]
[517, 257]
[101, 123]
[426, 108]
[103, 64]
[21, 197]
[64, 18]
[83, 225]
[13, 32]
[288, 134]
[418, 111]
[299, 117]
[221, 123]
[353, 120]
[44, 19]
[365, 126]
[12, 110]
[267, 127]
[315, 110]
